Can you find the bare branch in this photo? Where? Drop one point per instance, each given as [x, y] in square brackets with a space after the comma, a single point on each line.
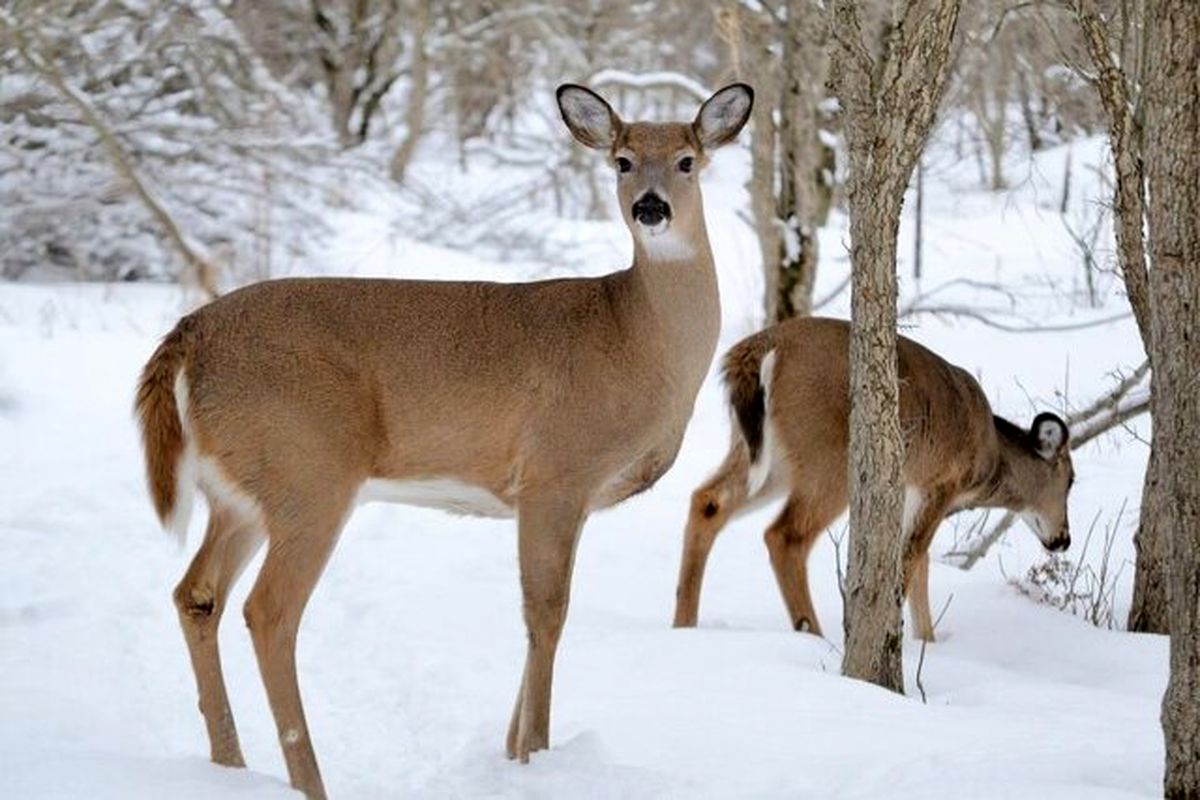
[203, 273]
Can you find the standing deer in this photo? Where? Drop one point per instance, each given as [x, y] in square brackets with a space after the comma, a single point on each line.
[288, 402]
[789, 392]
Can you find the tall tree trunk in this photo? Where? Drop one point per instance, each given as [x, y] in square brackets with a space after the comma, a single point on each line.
[1172, 102]
[1117, 88]
[874, 593]
[801, 181]
[789, 188]
[889, 110]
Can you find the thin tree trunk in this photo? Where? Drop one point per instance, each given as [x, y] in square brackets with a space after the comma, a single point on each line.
[762, 199]
[1172, 104]
[414, 113]
[799, 148]
[788, 188]
[1027, 114]
[873, 582]
[1125, 140]
[889, 111]
[1148, 611]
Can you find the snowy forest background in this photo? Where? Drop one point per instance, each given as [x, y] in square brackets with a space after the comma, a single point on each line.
[142, 138]
[157, 153]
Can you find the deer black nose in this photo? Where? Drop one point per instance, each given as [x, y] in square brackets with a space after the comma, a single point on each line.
[650, 209]
[1060, 544]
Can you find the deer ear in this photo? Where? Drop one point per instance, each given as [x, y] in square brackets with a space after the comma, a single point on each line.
[1050, 435]
[723, 115]
[591, 120]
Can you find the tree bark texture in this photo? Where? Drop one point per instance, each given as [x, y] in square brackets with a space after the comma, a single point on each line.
[791, 169]
[1172, 103]
[889, 105]
[802, 204]
[1148, 611]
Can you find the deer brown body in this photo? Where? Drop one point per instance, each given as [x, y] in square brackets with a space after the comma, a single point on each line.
[789, 388]
[288, 402]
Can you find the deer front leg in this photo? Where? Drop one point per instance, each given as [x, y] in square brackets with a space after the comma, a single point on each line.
[547, 533]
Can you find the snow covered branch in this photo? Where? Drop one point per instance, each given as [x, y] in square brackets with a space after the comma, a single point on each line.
[200, 267]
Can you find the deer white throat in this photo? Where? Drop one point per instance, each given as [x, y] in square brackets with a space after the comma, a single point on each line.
[663, 242]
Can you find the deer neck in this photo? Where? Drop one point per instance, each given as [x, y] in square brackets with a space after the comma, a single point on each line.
[1012, 479]
[678, 279]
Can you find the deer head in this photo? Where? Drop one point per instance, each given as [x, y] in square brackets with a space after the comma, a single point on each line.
[657, 163]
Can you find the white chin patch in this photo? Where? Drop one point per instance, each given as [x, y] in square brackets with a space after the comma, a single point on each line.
[663, 243]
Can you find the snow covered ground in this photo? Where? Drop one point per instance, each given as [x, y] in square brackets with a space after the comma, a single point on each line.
[411, 649]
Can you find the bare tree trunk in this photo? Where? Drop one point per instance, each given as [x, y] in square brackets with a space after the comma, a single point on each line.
[790, 195]
[1148, 611]
[799, 175]
[1125, 140]
[1172, 102]
[1027, 114]
[357, 48]
[874, 592]
[414, 113]
[338, 63]
[889, 110]
[751, 58]
[990, 101]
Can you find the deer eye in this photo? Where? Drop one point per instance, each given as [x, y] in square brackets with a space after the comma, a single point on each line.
[624, 164]
[686, 163]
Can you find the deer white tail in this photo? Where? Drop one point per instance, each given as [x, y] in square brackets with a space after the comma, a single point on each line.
[161, 408]
[748, 369]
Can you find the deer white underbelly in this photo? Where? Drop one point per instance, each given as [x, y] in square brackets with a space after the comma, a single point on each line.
[446, 494]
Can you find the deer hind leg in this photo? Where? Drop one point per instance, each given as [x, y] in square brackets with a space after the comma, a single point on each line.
[918, 597]
[712, 506]
[916, 562]
[790, 539]
[229, 543]
[299, 546]
[547, 533]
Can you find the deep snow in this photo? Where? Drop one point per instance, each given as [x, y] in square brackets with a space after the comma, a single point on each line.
[411, 649]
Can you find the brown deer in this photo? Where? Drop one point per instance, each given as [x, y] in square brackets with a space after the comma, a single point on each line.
[289, 401]
[789, 393]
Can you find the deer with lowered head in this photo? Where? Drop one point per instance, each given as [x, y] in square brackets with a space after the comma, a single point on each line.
[789, 393]
[288, 402]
